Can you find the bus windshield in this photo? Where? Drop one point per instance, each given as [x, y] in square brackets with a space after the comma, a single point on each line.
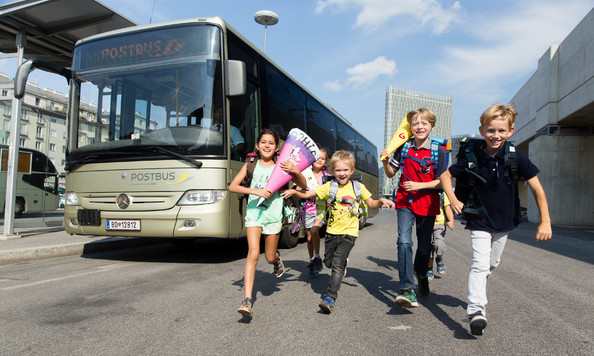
[147, 94]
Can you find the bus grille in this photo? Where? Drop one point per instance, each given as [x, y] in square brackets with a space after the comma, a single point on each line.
[139, 201]
[89, 217]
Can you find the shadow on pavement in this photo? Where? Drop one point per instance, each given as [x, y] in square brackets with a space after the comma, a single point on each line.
[204, 250]
[573, 242]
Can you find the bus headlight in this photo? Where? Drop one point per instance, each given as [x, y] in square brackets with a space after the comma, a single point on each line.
[200, 197]
[71, 199]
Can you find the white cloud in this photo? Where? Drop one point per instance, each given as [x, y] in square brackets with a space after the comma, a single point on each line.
[365, 73]
[374, 13]
[333, 86]
[512, 45]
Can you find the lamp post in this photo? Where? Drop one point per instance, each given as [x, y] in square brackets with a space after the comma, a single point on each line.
[266, 18]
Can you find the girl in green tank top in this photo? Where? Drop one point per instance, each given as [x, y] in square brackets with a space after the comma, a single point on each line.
[265, 219]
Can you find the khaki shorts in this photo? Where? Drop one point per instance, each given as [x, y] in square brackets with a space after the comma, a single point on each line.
[267, 229]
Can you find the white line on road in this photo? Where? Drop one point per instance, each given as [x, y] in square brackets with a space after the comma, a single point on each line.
[97, 270]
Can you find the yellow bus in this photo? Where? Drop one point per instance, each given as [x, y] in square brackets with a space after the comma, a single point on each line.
[161, 118]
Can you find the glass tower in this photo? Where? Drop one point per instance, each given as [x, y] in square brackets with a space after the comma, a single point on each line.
[400, 101]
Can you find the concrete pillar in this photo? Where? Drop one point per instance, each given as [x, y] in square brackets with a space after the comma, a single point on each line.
[566, 166]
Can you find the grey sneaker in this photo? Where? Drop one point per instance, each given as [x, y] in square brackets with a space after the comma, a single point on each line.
[441, 269]
[478, 323]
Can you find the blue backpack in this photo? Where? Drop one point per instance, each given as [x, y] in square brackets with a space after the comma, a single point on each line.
[435, 143]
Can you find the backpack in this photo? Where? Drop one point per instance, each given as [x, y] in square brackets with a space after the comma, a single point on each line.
[355, 180]
[436, 143]
[464, 188]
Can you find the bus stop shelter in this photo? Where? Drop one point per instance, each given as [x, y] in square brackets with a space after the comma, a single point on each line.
[48, 30]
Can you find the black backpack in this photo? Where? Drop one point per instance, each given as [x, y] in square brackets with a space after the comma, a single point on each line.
[464, 189]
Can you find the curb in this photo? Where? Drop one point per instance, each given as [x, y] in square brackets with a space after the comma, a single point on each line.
[62, 250]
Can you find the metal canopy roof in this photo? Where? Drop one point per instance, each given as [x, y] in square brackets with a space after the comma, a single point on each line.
[52, 27]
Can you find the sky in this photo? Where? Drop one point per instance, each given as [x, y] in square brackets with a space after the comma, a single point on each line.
[347, 52]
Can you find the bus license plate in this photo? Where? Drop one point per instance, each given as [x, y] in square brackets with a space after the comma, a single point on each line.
[133, 225]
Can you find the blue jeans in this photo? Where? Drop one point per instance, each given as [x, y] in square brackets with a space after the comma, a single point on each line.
[406, 267]
[336, 250]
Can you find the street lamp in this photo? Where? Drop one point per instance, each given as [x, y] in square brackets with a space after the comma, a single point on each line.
[266, 18]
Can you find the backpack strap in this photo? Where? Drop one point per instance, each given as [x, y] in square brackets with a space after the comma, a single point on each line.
[511, 161]
[250, 161]
[356, 189]
[472, 169]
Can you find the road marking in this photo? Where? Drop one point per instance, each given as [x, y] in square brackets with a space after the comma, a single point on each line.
[97, 270]
[400, 327]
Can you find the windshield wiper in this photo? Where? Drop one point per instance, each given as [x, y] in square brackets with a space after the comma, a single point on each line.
[125, 155]
[198, 164]
[92, 158]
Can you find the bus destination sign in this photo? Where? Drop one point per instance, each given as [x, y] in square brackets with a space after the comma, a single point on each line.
[145, 47]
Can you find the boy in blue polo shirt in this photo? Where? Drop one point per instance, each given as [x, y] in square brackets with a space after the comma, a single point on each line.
[498, 195]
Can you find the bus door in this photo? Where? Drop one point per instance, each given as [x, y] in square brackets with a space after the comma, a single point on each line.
[244, 115]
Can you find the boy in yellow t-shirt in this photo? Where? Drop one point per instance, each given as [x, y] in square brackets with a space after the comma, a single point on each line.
[445, 218]
[343, 220]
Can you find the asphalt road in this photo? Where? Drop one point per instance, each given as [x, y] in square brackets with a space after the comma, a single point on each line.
[162, 300]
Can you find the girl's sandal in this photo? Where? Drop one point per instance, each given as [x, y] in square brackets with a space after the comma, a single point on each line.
[245, 308]
[279, 267]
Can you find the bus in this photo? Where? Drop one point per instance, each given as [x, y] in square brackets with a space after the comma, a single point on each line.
[160, 120]
[37, 182]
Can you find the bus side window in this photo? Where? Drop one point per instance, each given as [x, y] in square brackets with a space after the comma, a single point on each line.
[244, 117]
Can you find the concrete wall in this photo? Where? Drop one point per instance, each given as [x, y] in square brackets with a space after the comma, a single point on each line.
[566, 166]
[561, 92]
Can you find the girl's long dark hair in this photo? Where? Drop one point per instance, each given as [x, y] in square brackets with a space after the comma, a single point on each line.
[274, 134]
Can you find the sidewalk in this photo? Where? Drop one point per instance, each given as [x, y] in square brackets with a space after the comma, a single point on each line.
[37, 243]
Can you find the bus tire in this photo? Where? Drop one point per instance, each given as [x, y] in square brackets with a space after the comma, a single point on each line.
[363, 218]
[19, 207]
[362, 222]
[286, 239]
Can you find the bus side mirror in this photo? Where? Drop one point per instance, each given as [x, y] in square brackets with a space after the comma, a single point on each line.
[22, 74]
[235, 78]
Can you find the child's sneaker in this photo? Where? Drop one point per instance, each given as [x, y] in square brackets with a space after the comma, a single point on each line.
[423, 286]
[478, 323]
[430, 274]
[279, 267]
[245, 308]
[407, 298]
[327, 304]
[441, 269]
[318, 266]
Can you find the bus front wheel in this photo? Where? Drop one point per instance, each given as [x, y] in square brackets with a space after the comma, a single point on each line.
[286, 239]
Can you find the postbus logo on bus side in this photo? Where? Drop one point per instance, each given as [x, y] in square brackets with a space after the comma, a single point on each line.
[123, 201]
